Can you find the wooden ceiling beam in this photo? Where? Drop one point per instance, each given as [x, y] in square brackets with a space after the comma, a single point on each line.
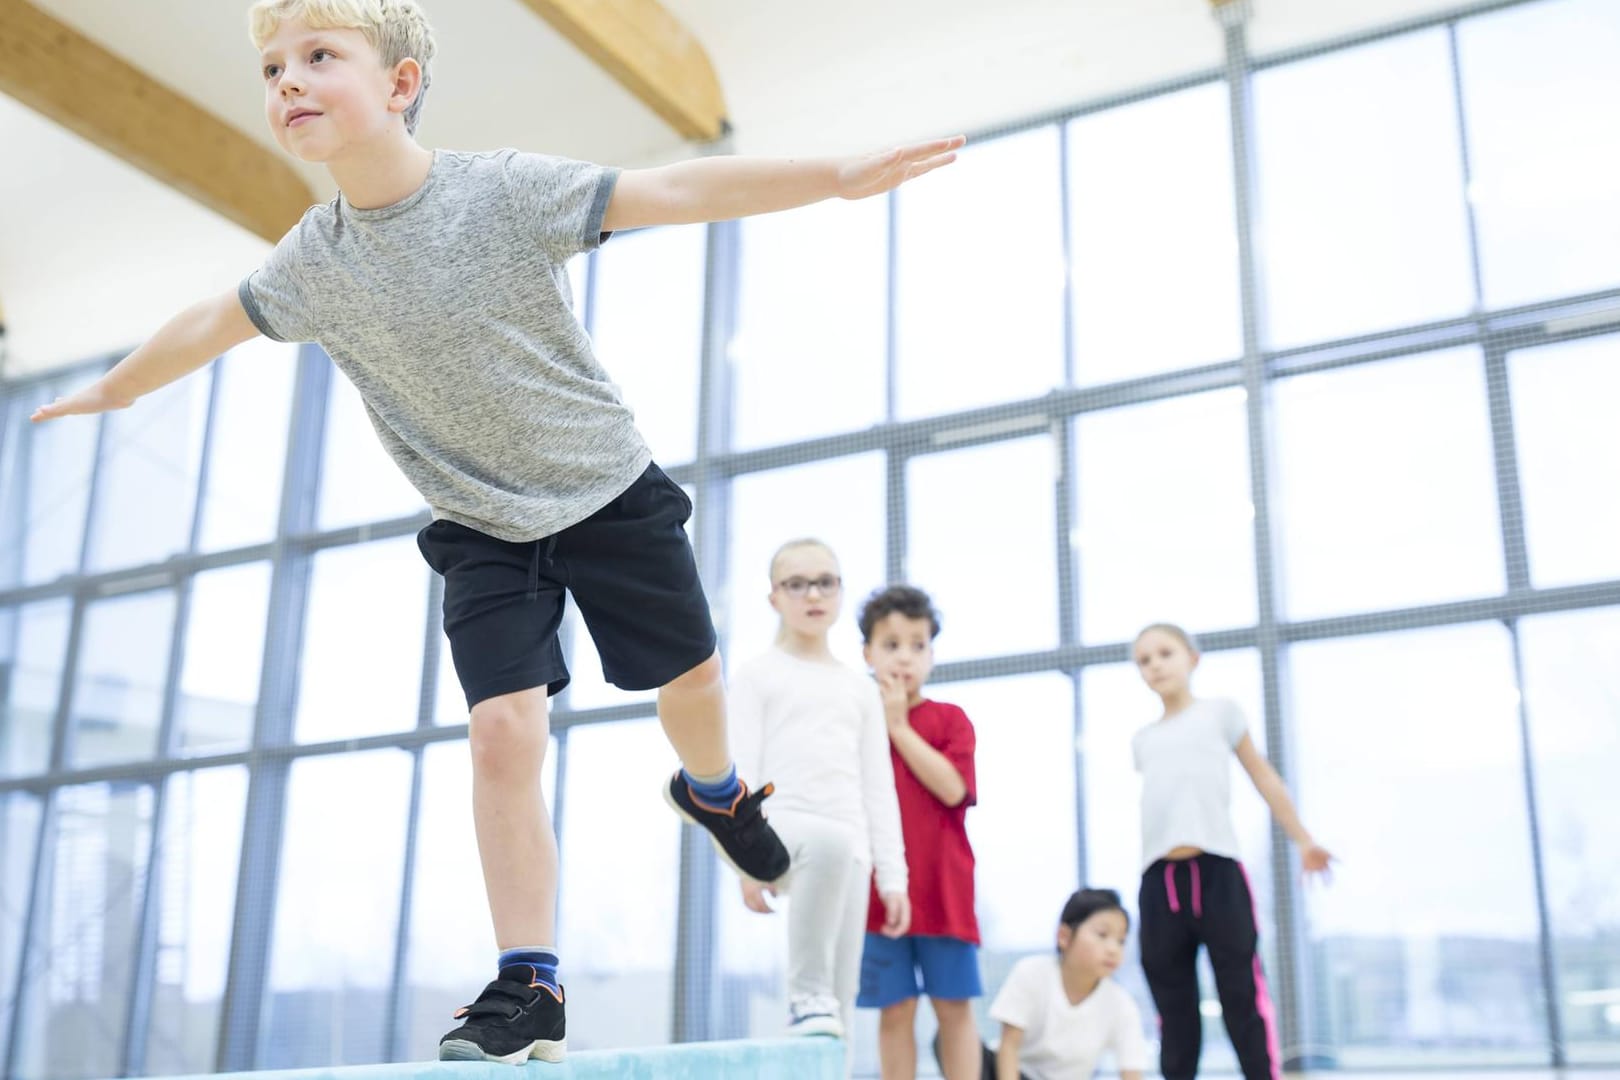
[650, 53]
[63, 75]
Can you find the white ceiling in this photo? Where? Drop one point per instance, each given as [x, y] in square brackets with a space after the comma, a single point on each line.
[94, 255]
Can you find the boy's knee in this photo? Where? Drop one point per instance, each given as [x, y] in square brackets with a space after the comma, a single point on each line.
[900, 1015]
[706, 676]
[952, 1014]
[508, 732]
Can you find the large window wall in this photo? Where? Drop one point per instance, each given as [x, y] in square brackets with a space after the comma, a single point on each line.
[1316, 355]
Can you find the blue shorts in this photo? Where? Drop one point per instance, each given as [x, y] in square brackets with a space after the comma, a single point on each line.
[898, 969]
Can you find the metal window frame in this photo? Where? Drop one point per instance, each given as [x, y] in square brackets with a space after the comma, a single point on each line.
[1292, 946]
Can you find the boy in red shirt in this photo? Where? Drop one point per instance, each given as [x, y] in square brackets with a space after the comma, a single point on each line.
[931, 744]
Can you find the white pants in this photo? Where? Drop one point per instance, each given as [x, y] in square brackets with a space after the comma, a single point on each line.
[828, 883]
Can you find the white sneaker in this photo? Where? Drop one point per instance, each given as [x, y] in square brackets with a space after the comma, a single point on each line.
[815, 1016]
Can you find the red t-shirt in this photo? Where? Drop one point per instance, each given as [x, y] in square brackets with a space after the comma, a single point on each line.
[939, 858]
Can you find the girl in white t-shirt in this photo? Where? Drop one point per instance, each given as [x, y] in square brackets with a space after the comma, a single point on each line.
[1194, 891]
[1060, 1014]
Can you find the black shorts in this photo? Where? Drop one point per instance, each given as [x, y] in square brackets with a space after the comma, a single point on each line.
[631, 571]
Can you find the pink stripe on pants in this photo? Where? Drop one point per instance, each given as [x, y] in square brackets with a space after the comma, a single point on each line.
[1262, 993]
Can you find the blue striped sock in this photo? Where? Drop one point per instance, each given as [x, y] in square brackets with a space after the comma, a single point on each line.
[718, 791]
[540, 957]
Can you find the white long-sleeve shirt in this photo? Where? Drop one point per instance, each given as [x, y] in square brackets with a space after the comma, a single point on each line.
[815, 729]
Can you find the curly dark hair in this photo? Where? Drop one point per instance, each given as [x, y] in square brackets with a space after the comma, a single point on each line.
[907, 600]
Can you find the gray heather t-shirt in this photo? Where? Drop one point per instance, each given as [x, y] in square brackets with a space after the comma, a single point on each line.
[451, 312]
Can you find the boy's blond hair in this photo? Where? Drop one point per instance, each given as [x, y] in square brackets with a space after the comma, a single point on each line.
[397, 29]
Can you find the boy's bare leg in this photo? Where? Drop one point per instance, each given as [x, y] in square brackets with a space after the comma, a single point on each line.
[897, 1040]
[692, 709]
[515, 840]
[961, 1055]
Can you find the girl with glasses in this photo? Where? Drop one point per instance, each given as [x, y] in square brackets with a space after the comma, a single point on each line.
[817, 726]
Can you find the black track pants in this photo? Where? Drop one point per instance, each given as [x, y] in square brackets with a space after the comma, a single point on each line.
[1205, 901]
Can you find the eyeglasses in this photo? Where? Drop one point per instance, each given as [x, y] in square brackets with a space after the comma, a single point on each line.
[799, 586]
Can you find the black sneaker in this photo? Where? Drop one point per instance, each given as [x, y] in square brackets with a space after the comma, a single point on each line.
[739, 831]
[516, 1018]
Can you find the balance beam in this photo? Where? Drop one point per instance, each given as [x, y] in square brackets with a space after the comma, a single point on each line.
[744, 1059]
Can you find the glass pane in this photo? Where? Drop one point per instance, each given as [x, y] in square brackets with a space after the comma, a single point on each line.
[449, 703]
[247, 447]
[1025, 764]
[361, 672]
[616, 919]
[647, 322]
[786, 354]
[85, 934]
[752, 969]
[979, 278]
[578, 270]
[588, 688]
[1539, 84]
[19, 835]
[1386, 495]
[219, 679]
[1146, 180]
[359, 481]
[1361, 191]
[1164, 525]
[982, 514]
[196, 909]
[342, 856]
[1424, 949]
[1572, 689]
[118, 691]
[33, 647]
[1114, 706]
[45, 488]
[1564, 398]
[147, 493]
[839, 502]
[451, 953]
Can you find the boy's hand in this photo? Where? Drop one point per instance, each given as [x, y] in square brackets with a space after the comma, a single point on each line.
[896, 914]
[754, 896]
[896, 703]
[92, 399]
[873, 174]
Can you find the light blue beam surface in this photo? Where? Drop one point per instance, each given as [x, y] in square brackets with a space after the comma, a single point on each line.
[778, 1059]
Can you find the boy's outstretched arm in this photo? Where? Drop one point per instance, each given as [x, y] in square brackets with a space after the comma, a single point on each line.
[721, 188]
[182, 345]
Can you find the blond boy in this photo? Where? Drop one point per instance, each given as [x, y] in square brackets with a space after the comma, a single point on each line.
[435, 281]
